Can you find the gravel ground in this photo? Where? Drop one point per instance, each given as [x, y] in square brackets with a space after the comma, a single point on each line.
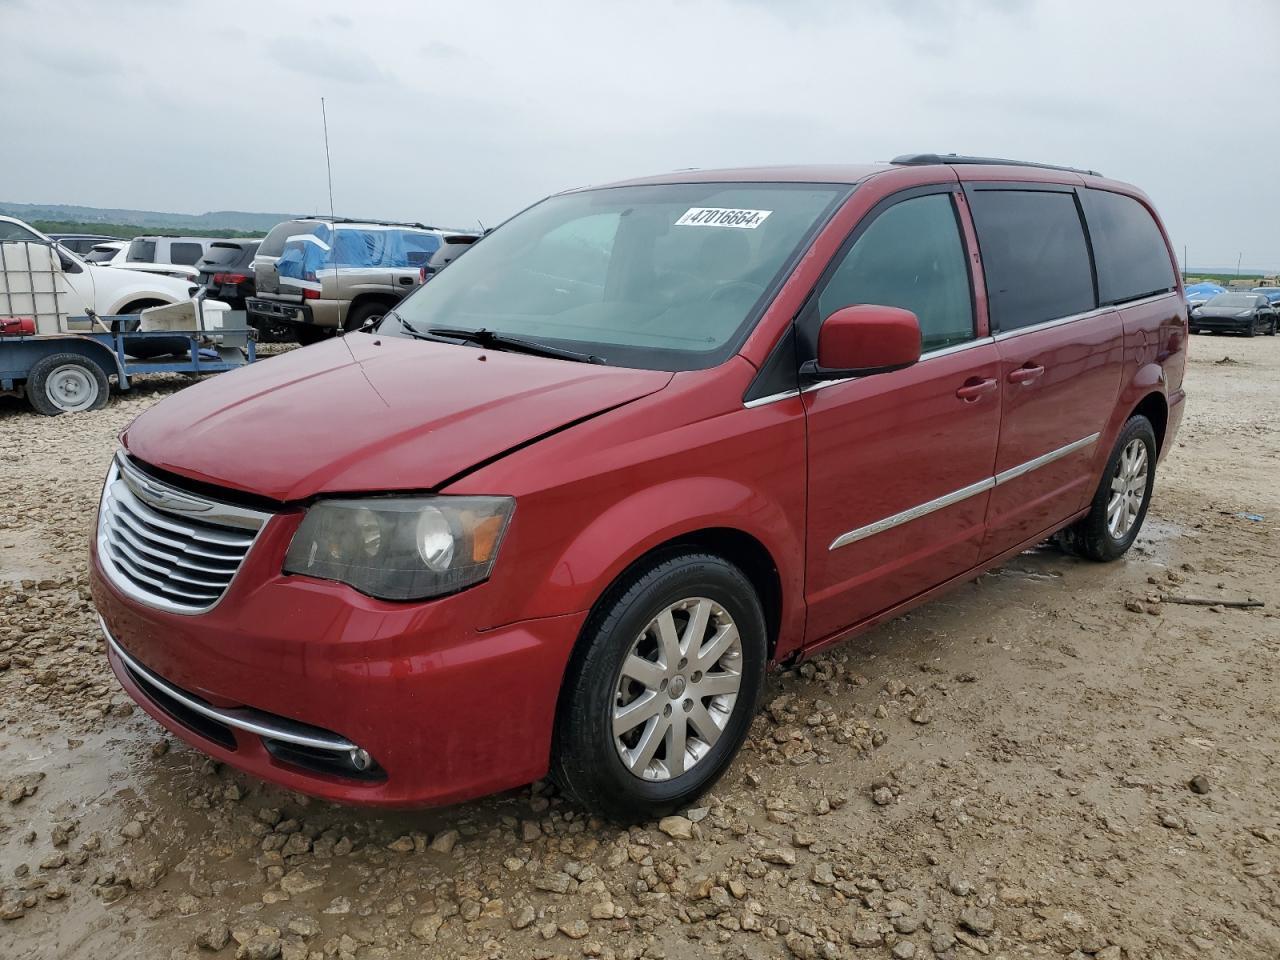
[1051, 761]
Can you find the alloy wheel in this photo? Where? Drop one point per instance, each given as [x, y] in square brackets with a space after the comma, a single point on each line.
[676, 689]
[1128, 489]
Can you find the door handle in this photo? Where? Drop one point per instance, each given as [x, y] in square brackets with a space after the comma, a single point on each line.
[974, 388]
[1026, 374]
[406, 281]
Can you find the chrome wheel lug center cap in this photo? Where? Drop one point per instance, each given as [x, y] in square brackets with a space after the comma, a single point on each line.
[676, 690]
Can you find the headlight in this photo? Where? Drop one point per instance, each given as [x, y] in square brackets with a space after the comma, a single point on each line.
[406, 548]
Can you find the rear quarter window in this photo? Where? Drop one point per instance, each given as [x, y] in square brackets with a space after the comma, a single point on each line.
[142, 251]
[222, 255]
[1034, 256]
[1132, 258]
[185, 253]
[273, 243]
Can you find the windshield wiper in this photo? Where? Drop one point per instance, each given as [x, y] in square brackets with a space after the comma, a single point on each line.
[490, 338]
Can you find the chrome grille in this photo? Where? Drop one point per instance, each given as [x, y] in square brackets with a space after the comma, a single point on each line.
[168, 547]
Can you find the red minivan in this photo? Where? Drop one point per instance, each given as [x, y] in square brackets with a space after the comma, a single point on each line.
[559, 511]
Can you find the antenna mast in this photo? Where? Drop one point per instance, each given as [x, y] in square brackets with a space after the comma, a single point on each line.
[328, 167]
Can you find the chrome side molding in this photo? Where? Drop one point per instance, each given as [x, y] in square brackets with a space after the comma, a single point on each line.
[964, 493]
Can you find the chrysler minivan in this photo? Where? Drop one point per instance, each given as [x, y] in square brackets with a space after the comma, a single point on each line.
[566, 504]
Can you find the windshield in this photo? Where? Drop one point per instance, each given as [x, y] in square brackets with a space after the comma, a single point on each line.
[1233, 300]
[664, 276]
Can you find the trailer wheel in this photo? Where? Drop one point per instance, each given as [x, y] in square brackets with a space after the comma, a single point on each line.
[67, 383]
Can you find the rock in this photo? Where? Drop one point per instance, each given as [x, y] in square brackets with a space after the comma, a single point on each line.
[1112, 952]
[1198, 784]
[304, 927]
[427, 927]
[942, 939]
[904, 950]
[445, 842]
[698, 814]
[259, 947]
[782, 856]
[978, 920]
[823, 874]
[296, 882]
[678, 828]
[132, 830]
[575, 929]
[882, 796]
[602, 910]
[864, 937]
[529, 830]
[558, 882]
[401, 844]
[523, 917]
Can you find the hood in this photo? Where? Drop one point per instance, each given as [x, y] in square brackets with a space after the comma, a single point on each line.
[364, 413]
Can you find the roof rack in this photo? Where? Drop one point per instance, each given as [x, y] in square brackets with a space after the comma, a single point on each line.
[380, 223]
[930, 159]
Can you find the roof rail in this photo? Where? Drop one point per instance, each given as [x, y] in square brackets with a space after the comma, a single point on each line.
[930, 159]
[324, 217]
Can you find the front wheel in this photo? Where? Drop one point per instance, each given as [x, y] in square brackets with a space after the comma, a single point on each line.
[662, 690]
[1271, 328]
[1120, 503]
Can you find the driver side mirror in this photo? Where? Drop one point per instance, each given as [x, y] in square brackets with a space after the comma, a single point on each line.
[862, 340]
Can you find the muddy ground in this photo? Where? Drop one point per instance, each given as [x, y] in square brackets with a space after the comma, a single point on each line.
[1048, 762]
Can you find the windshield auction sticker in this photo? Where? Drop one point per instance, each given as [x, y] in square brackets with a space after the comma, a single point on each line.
[722, 217]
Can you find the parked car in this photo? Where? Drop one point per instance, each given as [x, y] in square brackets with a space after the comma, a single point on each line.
[325, 274]
[183, 252]
[79, 243]
[1271, 293]
[104, 289]
[568, 501]
[115, 253]
[1198, 293]
[1247, 313]
[226, 269]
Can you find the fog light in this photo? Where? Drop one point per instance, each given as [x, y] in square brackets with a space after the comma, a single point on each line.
[360, 759]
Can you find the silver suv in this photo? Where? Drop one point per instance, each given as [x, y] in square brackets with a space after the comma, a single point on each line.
[322, 274]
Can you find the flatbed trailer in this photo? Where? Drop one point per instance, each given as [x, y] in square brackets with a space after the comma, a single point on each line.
[70, 372]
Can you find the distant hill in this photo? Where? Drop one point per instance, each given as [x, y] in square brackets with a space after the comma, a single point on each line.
[188, 223]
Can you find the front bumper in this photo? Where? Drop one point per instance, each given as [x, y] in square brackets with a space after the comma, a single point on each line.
[1233, 324]
[286, 676]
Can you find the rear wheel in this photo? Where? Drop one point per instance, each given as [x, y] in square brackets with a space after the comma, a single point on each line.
[368, 312]
[67, 383]
[1120, 504]
[662, 691]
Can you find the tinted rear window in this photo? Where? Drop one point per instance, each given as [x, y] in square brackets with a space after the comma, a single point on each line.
[185, 253]
[1034, 256]
[1128, 248]
[104, 255]
[222, 255]
[142, 251]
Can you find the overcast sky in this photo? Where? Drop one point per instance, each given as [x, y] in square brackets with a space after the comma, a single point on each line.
[453, 112]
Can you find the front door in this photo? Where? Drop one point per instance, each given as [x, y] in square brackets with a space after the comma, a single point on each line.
[1060, 357]
[900, 464]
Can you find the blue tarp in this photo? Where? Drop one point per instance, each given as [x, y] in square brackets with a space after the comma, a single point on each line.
[305, 255]
[1203, 291]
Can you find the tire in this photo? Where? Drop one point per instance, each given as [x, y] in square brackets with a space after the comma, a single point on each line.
[67, 383]
[1252, 329]
[309, 333]
[1093, 536]
[587, 758]
[1271, 329]
[359, 316]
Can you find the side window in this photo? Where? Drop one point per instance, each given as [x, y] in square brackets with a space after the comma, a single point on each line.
[911, 256]
[185, 253]
[1034, 256]
[1133, 260]
[358, 248]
